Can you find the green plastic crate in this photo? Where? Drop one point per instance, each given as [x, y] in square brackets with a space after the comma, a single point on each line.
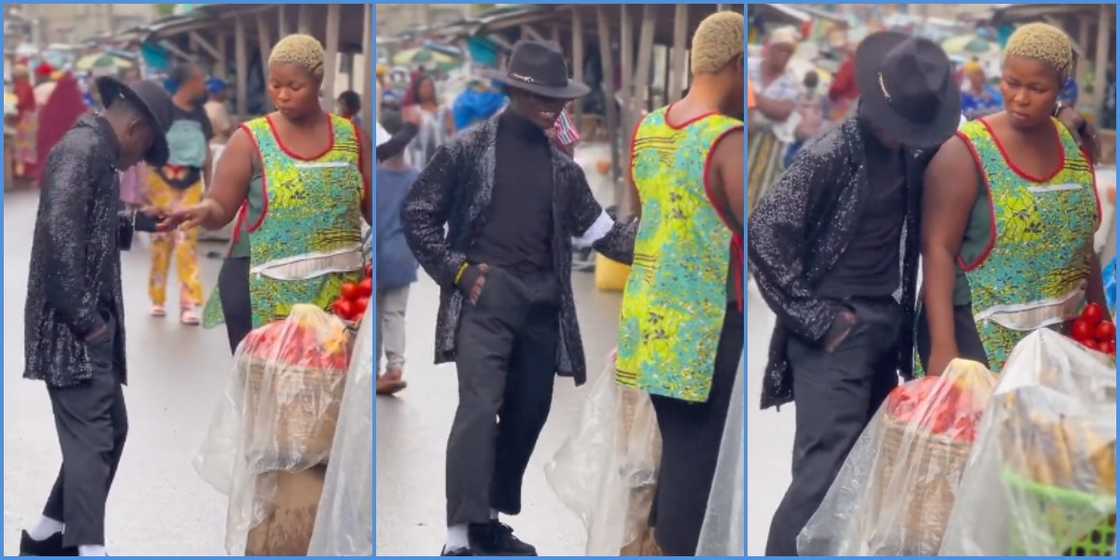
[1054, 510]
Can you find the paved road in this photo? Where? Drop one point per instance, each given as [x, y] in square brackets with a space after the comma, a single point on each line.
[412, 431]
[158, 505]
[769, 434]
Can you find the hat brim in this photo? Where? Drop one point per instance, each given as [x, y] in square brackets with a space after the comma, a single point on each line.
[941, 127]
[572, 90]
[109, 89]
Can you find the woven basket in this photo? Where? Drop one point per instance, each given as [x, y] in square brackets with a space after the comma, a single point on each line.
[306, 403]
[920, 527]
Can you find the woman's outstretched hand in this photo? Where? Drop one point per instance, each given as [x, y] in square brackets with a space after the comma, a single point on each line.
[187, 218]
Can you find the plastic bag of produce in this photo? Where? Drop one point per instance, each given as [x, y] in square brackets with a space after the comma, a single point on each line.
[606, 471]
[1043, 478]
[722, 532]
[898, 485]
[344, 526]
[277, 417]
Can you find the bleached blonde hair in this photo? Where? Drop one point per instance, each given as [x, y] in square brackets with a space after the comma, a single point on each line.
[1045, 43]
[301, 50]
[717, 41]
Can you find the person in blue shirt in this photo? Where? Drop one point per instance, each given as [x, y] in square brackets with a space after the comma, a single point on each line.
[396, 266]
[979, 98]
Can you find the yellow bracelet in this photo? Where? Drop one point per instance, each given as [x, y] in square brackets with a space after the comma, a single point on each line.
[462, 269]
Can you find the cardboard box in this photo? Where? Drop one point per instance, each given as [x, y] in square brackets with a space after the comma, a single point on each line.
[287, 531]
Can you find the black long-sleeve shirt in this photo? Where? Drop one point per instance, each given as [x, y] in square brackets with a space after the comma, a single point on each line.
[518, 230]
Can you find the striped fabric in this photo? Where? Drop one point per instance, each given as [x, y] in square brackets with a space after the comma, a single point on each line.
[566, 133]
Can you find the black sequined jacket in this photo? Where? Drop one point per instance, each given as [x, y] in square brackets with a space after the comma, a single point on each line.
[455, 189]
[800, 229]
[75, 256]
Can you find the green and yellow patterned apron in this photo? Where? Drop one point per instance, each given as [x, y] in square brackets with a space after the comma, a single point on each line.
[1035, 267]
[677, 294]
[307, 241]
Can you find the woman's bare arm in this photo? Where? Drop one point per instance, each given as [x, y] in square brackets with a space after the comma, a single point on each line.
[949, 194]
[230, 188]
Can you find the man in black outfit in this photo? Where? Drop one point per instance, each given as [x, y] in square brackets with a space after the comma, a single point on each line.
[512, 203]
[833, 247]
[74, 317]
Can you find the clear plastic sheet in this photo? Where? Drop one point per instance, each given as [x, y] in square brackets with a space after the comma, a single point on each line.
[344, 525]
[896, 490]
[277, 420]
[606, 471]
[1042, 480]
[722, 532]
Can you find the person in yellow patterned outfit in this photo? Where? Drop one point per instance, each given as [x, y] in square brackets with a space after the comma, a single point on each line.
[1009, 213]
[179, 184]
[297, 180]
[681, 329]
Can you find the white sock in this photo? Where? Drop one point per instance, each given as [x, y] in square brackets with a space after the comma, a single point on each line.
[91, 550]
[493, 514]
[457, 537]
[46, 528]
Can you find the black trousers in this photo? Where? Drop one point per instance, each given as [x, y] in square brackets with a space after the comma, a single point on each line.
[92, 426]
[835, 395]
[506, 361]
[233, 285]
[691, 434]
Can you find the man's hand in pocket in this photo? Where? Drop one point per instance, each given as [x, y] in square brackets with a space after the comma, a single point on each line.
[473, 281]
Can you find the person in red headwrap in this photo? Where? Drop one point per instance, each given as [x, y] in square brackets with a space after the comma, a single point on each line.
[59, 114]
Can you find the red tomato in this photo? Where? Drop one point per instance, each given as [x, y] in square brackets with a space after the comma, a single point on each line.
[1106, 331]
[1109, 346]
[1093, 314]
[343, 308]
[1082, 331]
[360, 305]
[349, 291]
[942, 421]
[365, 288]
[1092, 345]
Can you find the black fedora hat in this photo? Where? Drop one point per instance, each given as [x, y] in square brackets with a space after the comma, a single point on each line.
[907, 87]
[153, 101]
[537, 67]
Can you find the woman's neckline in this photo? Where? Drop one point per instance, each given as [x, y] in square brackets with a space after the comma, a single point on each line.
[291, 153]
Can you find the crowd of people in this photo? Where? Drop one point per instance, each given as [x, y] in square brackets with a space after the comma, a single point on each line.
[486, 197]
[992, 189]
[297, 180]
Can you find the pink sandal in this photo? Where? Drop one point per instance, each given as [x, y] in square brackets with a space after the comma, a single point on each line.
[190, 317]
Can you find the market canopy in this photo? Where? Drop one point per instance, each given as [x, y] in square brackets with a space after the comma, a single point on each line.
[968, 44]
[102, 61]
[426, 56]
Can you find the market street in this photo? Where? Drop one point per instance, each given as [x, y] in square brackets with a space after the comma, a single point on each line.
[769, 433]
[158, 505]
[412, 430]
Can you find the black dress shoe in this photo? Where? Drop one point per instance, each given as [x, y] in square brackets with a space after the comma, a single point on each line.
[496, 539]
[50, 547]
[456, 552]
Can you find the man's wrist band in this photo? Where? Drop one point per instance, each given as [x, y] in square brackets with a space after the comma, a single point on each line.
[462, 269]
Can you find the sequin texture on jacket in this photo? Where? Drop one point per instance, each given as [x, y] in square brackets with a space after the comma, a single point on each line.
[75, 259]
[800, 229]
[455, 189]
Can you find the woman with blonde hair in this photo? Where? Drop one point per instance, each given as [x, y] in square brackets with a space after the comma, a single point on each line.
[297, 181]
[1009, 211]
